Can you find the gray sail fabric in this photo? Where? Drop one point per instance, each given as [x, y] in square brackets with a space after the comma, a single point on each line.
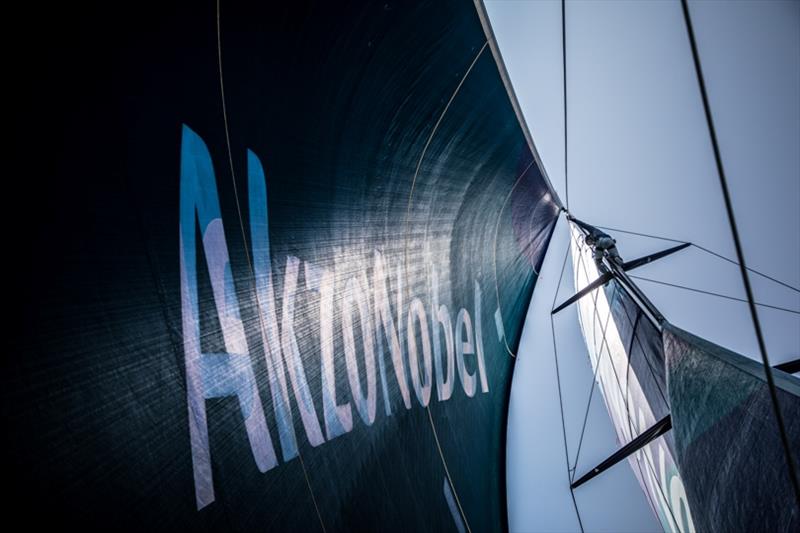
[728, 446]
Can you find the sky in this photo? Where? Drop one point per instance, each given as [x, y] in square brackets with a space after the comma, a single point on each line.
[640, 159]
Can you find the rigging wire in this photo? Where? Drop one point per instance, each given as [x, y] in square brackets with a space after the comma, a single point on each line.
[740, 253]
[710, 293]
[564, 68]
[712, 252]
[558, 381]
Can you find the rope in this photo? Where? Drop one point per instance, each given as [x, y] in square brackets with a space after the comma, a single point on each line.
[648, 464]
[701, 291]
[244, 240]
[586, 416]
[712, 252]
[564, 68]
[740, 255]
[494, 254]
[560, 401]
[405, 262]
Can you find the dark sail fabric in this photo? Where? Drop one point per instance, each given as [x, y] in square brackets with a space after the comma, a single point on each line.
[280, 256]
[627, 356]
[729, 448]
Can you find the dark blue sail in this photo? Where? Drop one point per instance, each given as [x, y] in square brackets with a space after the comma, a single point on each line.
[278, 268]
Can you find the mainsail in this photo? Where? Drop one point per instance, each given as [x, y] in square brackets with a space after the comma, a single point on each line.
[280, 273]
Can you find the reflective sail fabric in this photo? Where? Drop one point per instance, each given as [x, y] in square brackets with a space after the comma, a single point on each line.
[724, 428]
[278, 264]
[627, 356]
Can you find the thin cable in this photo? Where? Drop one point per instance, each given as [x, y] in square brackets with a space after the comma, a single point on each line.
[560, 401]
[494, 255]
[604, 342]
[446, 471]
[712, 252]
[564, 69]
[740, 255]
[586, 416]
[436, 127]
[754, 271]
[244, 237]
[701, 291]
[405, 260]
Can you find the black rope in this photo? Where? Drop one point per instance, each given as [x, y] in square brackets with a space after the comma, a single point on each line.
[701, 291]
[712, 252]
[740, 254]
[564, 67]
[560, 401]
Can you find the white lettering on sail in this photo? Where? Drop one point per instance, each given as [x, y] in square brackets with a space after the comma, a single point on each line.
[363, 307]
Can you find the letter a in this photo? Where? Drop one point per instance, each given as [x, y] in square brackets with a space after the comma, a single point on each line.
[219, 374]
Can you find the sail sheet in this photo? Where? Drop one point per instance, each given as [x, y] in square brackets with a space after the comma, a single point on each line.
[729, 447]
[279, 268]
